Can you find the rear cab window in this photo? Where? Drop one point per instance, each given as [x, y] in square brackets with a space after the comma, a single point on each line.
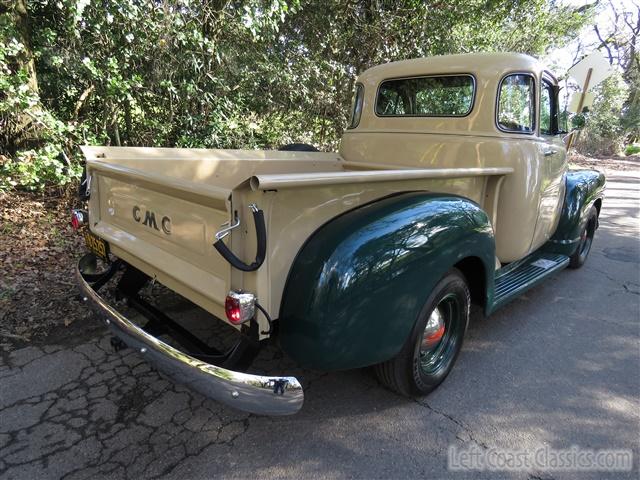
[427, 96]
[515, 110]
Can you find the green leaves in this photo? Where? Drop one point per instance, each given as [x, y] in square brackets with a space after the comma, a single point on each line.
[604, 130]
[36, 169]
[233, 74]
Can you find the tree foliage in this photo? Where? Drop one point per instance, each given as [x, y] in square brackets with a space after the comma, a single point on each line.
[224, 73]
[614, 119]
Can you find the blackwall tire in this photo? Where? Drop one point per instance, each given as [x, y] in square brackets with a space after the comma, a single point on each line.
[429, 353]
[581, 254]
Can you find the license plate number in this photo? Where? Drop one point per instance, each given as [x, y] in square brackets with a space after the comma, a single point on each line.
[97, 245]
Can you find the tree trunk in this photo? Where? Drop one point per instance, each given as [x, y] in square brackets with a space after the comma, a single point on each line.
[23, 28]
[18, 128]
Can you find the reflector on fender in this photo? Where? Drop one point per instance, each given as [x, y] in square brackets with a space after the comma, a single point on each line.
[240, 307]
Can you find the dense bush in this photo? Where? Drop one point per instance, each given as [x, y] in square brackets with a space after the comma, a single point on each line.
[604, 132]
[632, 149]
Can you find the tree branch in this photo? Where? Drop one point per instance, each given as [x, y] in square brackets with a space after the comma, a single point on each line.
[604, 43]
[81, 100]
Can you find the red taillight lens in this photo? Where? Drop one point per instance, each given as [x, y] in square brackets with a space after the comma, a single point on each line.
[232, 309]
[240, 307]
[78, 218]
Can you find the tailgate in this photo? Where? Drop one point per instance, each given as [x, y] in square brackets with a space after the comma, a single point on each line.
[164, 227]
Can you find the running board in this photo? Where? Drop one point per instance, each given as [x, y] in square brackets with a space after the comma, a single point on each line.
[513, 280]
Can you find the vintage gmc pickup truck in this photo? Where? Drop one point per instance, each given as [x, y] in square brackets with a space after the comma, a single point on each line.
[451, 187]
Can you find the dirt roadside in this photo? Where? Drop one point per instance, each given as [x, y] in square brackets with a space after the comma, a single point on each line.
[37, 252]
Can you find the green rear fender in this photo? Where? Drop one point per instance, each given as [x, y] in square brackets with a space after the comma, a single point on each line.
[357, 286]
[583, 189]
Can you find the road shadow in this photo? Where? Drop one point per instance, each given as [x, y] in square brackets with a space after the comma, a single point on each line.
[557, 367]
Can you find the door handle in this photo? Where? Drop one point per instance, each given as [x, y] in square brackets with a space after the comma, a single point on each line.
[549, 152]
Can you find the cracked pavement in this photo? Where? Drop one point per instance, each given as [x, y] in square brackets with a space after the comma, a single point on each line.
[558, 367]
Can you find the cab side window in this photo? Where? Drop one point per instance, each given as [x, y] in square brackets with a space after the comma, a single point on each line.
[548, 109]
[516, 103]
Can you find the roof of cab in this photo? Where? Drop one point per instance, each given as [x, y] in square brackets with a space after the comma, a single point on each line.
[474, 63]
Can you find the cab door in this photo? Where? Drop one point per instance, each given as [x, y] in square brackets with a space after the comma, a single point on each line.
[553, 159]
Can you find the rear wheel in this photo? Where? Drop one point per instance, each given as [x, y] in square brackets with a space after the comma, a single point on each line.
[435, 341]
[586, 240]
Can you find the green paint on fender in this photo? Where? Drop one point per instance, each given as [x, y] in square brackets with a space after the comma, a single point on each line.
[357, 286]
[583, 188]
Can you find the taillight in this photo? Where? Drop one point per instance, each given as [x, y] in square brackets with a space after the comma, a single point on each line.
[79, 218]
[240, 307]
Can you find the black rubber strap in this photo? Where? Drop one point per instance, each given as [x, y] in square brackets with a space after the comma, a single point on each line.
[261, 237]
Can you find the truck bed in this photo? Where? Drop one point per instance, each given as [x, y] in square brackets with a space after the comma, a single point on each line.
[201, 191]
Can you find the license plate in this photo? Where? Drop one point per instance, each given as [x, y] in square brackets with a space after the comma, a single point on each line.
[97, 245]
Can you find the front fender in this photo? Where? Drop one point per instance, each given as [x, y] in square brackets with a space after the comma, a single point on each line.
[583, 189]
[357, 286]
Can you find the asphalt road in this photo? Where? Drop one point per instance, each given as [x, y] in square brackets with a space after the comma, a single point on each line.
[557, 368]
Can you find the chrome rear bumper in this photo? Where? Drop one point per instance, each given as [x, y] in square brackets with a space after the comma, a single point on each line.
[259, 394]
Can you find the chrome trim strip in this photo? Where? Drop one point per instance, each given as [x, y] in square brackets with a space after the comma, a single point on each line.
[258, 394]
[565, 242]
